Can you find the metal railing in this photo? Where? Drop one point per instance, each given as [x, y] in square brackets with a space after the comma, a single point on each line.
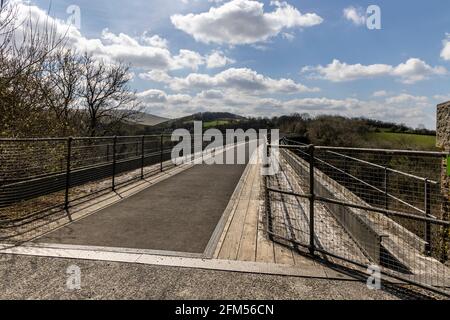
[364, 207]
[41, 179]
[41, 176]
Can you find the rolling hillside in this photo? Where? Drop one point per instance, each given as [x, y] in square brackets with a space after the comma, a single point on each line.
[147, 119]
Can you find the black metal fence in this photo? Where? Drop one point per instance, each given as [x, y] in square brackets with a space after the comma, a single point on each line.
[364, 207]
[41, 179]
[40, 175]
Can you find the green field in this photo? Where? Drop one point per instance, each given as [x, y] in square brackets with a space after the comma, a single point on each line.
[215, 123]
[404, 140]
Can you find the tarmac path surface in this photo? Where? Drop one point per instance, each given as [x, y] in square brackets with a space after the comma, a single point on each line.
[178, 214]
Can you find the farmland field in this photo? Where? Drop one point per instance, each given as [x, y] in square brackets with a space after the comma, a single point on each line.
[215, 123]
[404, 140]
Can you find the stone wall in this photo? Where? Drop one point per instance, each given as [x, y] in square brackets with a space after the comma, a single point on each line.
[443, 142]
[443, 138]
[443, 126]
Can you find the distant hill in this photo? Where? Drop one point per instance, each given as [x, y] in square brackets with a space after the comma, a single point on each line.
[210, 119]
[208, 116]
[147, 119]
[213, 116]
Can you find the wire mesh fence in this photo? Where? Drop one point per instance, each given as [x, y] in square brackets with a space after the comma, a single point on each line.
[39, 177]
[364, 207]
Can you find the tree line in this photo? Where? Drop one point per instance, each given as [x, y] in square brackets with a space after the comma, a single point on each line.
[328, 130]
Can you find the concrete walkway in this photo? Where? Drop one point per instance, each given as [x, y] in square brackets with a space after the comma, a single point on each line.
[25, 277]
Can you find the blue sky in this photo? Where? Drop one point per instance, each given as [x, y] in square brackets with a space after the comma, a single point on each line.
[273, 57]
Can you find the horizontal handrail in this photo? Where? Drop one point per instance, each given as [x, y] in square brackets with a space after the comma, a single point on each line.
[99, 137]
[90, 166]
[389, 151]
[376, 188]
[425, 153]
[371, 186]
[356, 206]
[384, 167]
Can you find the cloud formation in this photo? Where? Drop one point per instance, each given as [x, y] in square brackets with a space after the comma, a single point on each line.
[147, 51]
[411, 71]
[217, 59]
[238, 79]
[356, 16]
[243, 22]
[445, 53]
[403, 108]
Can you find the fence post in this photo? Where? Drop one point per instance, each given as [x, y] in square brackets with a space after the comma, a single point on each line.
[268, 207]
[114, 164]
[69, 156]
[161, 153]
[386, 181]
[142, 157]
[427, 202]
[311, 199]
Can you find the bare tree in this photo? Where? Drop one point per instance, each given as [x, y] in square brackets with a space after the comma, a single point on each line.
[25, 46]
[106, 95]
[61, 88]
[46, 89]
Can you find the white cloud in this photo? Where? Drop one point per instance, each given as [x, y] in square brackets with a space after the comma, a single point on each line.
[407, 98]
[155, 41]
[147, 52]
[179, 99]
[123, 47]
[411, 71]
[356, 16]
[156, 76]
[238, 79]
[211, 94]
[243, 22]
[152, 96]
[441, 97]
[445, 53]
[217, 59]
[288, 36]
[415, 70]
[188, 59]
[381, 93]
[404, 108]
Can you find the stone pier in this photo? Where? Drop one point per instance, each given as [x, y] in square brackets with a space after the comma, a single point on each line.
[443, 142]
